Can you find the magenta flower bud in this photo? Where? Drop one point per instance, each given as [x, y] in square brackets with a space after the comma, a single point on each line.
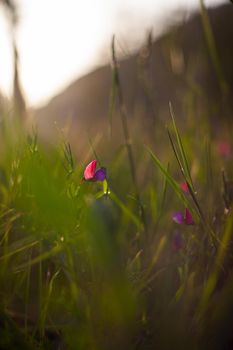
[91, 174]
[185, 218]
[188, 217]
[184, 186]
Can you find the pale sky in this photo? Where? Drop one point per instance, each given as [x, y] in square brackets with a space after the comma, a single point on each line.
[60, 40]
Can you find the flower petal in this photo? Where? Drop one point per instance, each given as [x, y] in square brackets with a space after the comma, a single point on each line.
[178, 218]
[184, 186]
[188, 217]
[89, 172]
[100, 174]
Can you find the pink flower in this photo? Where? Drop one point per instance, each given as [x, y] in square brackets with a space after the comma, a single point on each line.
[91, 174]
[185, 218]
[184, 186]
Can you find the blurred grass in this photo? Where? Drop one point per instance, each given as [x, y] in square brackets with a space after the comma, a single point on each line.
[78, 270]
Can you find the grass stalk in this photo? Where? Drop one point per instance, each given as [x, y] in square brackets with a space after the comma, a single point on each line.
[212, 49]
[125, 128]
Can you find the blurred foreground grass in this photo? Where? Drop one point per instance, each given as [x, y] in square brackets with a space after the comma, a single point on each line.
[81, 268]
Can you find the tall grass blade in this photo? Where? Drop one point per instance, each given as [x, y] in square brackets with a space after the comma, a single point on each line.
[184, 162]
[211, 45]
[169, 178]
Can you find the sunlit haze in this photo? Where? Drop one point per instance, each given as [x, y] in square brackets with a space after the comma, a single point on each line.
[58, 41]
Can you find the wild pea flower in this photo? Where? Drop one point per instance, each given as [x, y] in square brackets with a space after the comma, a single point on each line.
[91, 174]
[185, 218]
[184, 186]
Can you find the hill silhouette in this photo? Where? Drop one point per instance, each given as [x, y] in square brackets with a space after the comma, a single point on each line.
[176, 67]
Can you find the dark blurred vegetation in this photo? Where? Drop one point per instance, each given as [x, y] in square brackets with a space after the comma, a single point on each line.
[103, 265]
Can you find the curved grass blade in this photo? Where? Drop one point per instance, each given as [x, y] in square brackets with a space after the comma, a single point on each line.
[41, 257]
[170, 180]
[126, 210]
[184, 163]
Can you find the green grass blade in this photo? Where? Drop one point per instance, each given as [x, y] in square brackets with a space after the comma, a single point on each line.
[19, 250]
[212, 49]
[181, 148]
[169, 178]
[41, 257]
[44, 310]
[126, 211]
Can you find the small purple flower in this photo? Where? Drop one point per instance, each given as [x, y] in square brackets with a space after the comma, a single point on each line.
[100, 174]
[91, 174]
[178, 218]
[185, 218]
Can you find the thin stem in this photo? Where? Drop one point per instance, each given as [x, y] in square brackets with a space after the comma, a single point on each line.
[125, 128]
[211, 45]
